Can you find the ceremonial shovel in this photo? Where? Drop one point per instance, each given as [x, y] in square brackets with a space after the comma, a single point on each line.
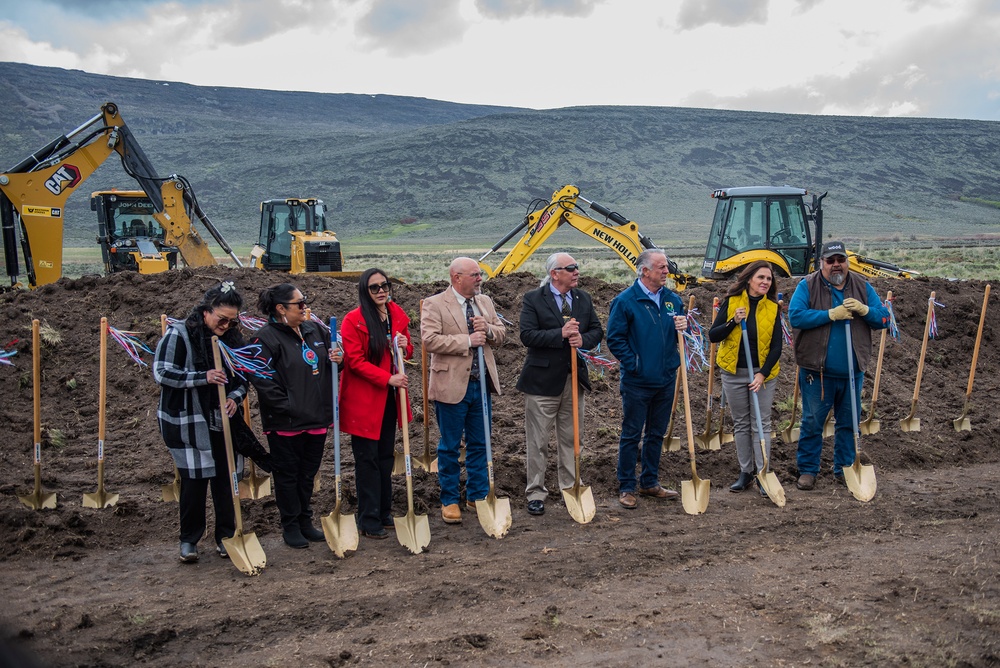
[38, 499]
[494, 514]
[962, 422]
[765, 477]
[413, 531]
[579, 498]
[100, 498]
[341, 530]
[860, 479]
[694, 492]
[171, 492]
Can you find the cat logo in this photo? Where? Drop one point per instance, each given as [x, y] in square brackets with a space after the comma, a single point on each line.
[48, 211]
[64, 178]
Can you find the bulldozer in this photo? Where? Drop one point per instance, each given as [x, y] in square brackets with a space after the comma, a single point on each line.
[543, 218]
[294, 237]
[33, 195]
[775, 224]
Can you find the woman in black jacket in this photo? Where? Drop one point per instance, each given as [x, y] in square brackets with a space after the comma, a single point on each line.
[295, 405]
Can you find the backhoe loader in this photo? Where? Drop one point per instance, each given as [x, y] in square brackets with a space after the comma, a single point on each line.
[33, 196]
[544, 218]
[774, 224]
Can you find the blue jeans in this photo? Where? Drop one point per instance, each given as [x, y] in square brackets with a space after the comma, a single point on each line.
[454, 420]
[836, 394]
[649, 407]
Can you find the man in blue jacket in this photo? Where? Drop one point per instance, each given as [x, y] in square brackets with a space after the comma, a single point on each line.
[642, 335]
[821, 303]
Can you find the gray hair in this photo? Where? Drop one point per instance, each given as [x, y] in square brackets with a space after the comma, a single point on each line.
[550, 264]
[645, 260]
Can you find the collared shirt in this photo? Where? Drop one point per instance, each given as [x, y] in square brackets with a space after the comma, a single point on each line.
[560, 297]
[655, 296]
[461, 302]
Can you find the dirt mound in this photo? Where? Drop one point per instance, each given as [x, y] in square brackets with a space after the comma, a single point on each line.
[552, 605]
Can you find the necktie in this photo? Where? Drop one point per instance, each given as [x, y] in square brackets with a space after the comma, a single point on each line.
[567, 310]
[469, 314]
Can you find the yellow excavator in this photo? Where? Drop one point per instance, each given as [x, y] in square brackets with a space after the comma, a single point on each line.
[294, 237]
[544, 218]
[33, 196]
[774, 224]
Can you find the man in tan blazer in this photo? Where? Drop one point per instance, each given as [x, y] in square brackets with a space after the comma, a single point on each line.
[453, 324]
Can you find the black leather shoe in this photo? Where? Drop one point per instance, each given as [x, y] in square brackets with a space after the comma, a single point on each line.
[294, 538]
[536, 507]
[381, 534]
[189, 553]
[221, 549]
[744, 481]
[312, 534]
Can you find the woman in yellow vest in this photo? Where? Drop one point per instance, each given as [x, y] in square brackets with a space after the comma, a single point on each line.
[752, 297]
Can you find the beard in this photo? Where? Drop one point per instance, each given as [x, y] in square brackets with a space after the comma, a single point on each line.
[837, 279]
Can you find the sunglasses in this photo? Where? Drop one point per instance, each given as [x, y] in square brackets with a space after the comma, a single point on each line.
[835, 259]
[569, 267]
[376, 288]
[223, 321]
[473, 274]
[301, 304]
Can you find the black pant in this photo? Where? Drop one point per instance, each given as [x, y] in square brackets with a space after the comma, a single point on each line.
[194, 493]
[296, 462]
[373, 461]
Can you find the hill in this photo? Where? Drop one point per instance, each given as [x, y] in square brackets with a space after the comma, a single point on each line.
[469, 171]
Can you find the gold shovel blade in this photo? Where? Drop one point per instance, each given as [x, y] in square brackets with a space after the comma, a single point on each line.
[246, 553]
[427, 462]
[694, 495]
[413, 532]
[910, 424]
[255, 487]
[770, 484]
[962, 424]
[870, 427]
[579, 501]
[673, 444]
[39, 500]
[861, 481]
[494, 515]
[171, 493]
[99, 499]
[706, 442]
[341, 533]
[790, 435]
[399, 464]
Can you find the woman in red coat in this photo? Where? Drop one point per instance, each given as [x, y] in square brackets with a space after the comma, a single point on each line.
[369, 400]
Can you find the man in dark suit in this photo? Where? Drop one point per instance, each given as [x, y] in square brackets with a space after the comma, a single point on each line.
[556, 319]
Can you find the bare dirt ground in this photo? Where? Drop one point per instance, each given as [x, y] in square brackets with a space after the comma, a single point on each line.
[907, 579]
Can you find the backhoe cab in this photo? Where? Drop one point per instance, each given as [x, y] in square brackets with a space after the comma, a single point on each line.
[774, 224]
[544, 218]
[129, 235]
[294, 237]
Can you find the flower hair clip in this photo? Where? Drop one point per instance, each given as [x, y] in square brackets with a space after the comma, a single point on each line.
[227, 286]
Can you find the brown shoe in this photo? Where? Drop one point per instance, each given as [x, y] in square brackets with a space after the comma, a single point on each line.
[628, 500]
[658, 492]
[806, 481]
[470, 506]
[451, 514]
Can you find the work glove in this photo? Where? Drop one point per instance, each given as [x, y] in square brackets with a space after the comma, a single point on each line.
[854, 306]
[840, 313]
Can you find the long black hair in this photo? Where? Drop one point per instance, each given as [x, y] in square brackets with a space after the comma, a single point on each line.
[378, 343]
[269, 298]
[224, 294]
[743, 280]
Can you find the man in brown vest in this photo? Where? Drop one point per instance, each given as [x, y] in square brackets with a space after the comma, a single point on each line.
[821, 303]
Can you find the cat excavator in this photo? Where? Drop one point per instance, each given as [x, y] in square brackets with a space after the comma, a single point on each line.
[544, 218]
[33, 196]
[775, 224]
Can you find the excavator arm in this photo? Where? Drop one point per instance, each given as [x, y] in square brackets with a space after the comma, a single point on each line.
[615, 231]
[33, 196]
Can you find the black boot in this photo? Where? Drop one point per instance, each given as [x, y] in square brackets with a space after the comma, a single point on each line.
[744, 481]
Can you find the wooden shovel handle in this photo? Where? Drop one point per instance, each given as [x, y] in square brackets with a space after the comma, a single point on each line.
[923, 348]
[36, 377]
[576, 401]
[102, 411]
[423, 382]
[878, 365]
[227, 433]
[687, 401]
[979, 338]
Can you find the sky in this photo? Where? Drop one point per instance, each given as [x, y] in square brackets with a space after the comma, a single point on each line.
[921, 58]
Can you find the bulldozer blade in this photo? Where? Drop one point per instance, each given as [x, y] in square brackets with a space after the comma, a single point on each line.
[255, 487]
[246, 553]
[694, 495]
[341, 533]
[869, 427]
[772, 487]
[399, 464]
[99, 499]
[579, 501]
[39, 500]
[413, 531]
[494, 515]
[861, 480]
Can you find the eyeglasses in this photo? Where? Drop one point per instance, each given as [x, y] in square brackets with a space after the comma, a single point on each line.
[835, 259]
[301, 304]
[569, 267]
[473, 274]
[376, 288]
[225, 322]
